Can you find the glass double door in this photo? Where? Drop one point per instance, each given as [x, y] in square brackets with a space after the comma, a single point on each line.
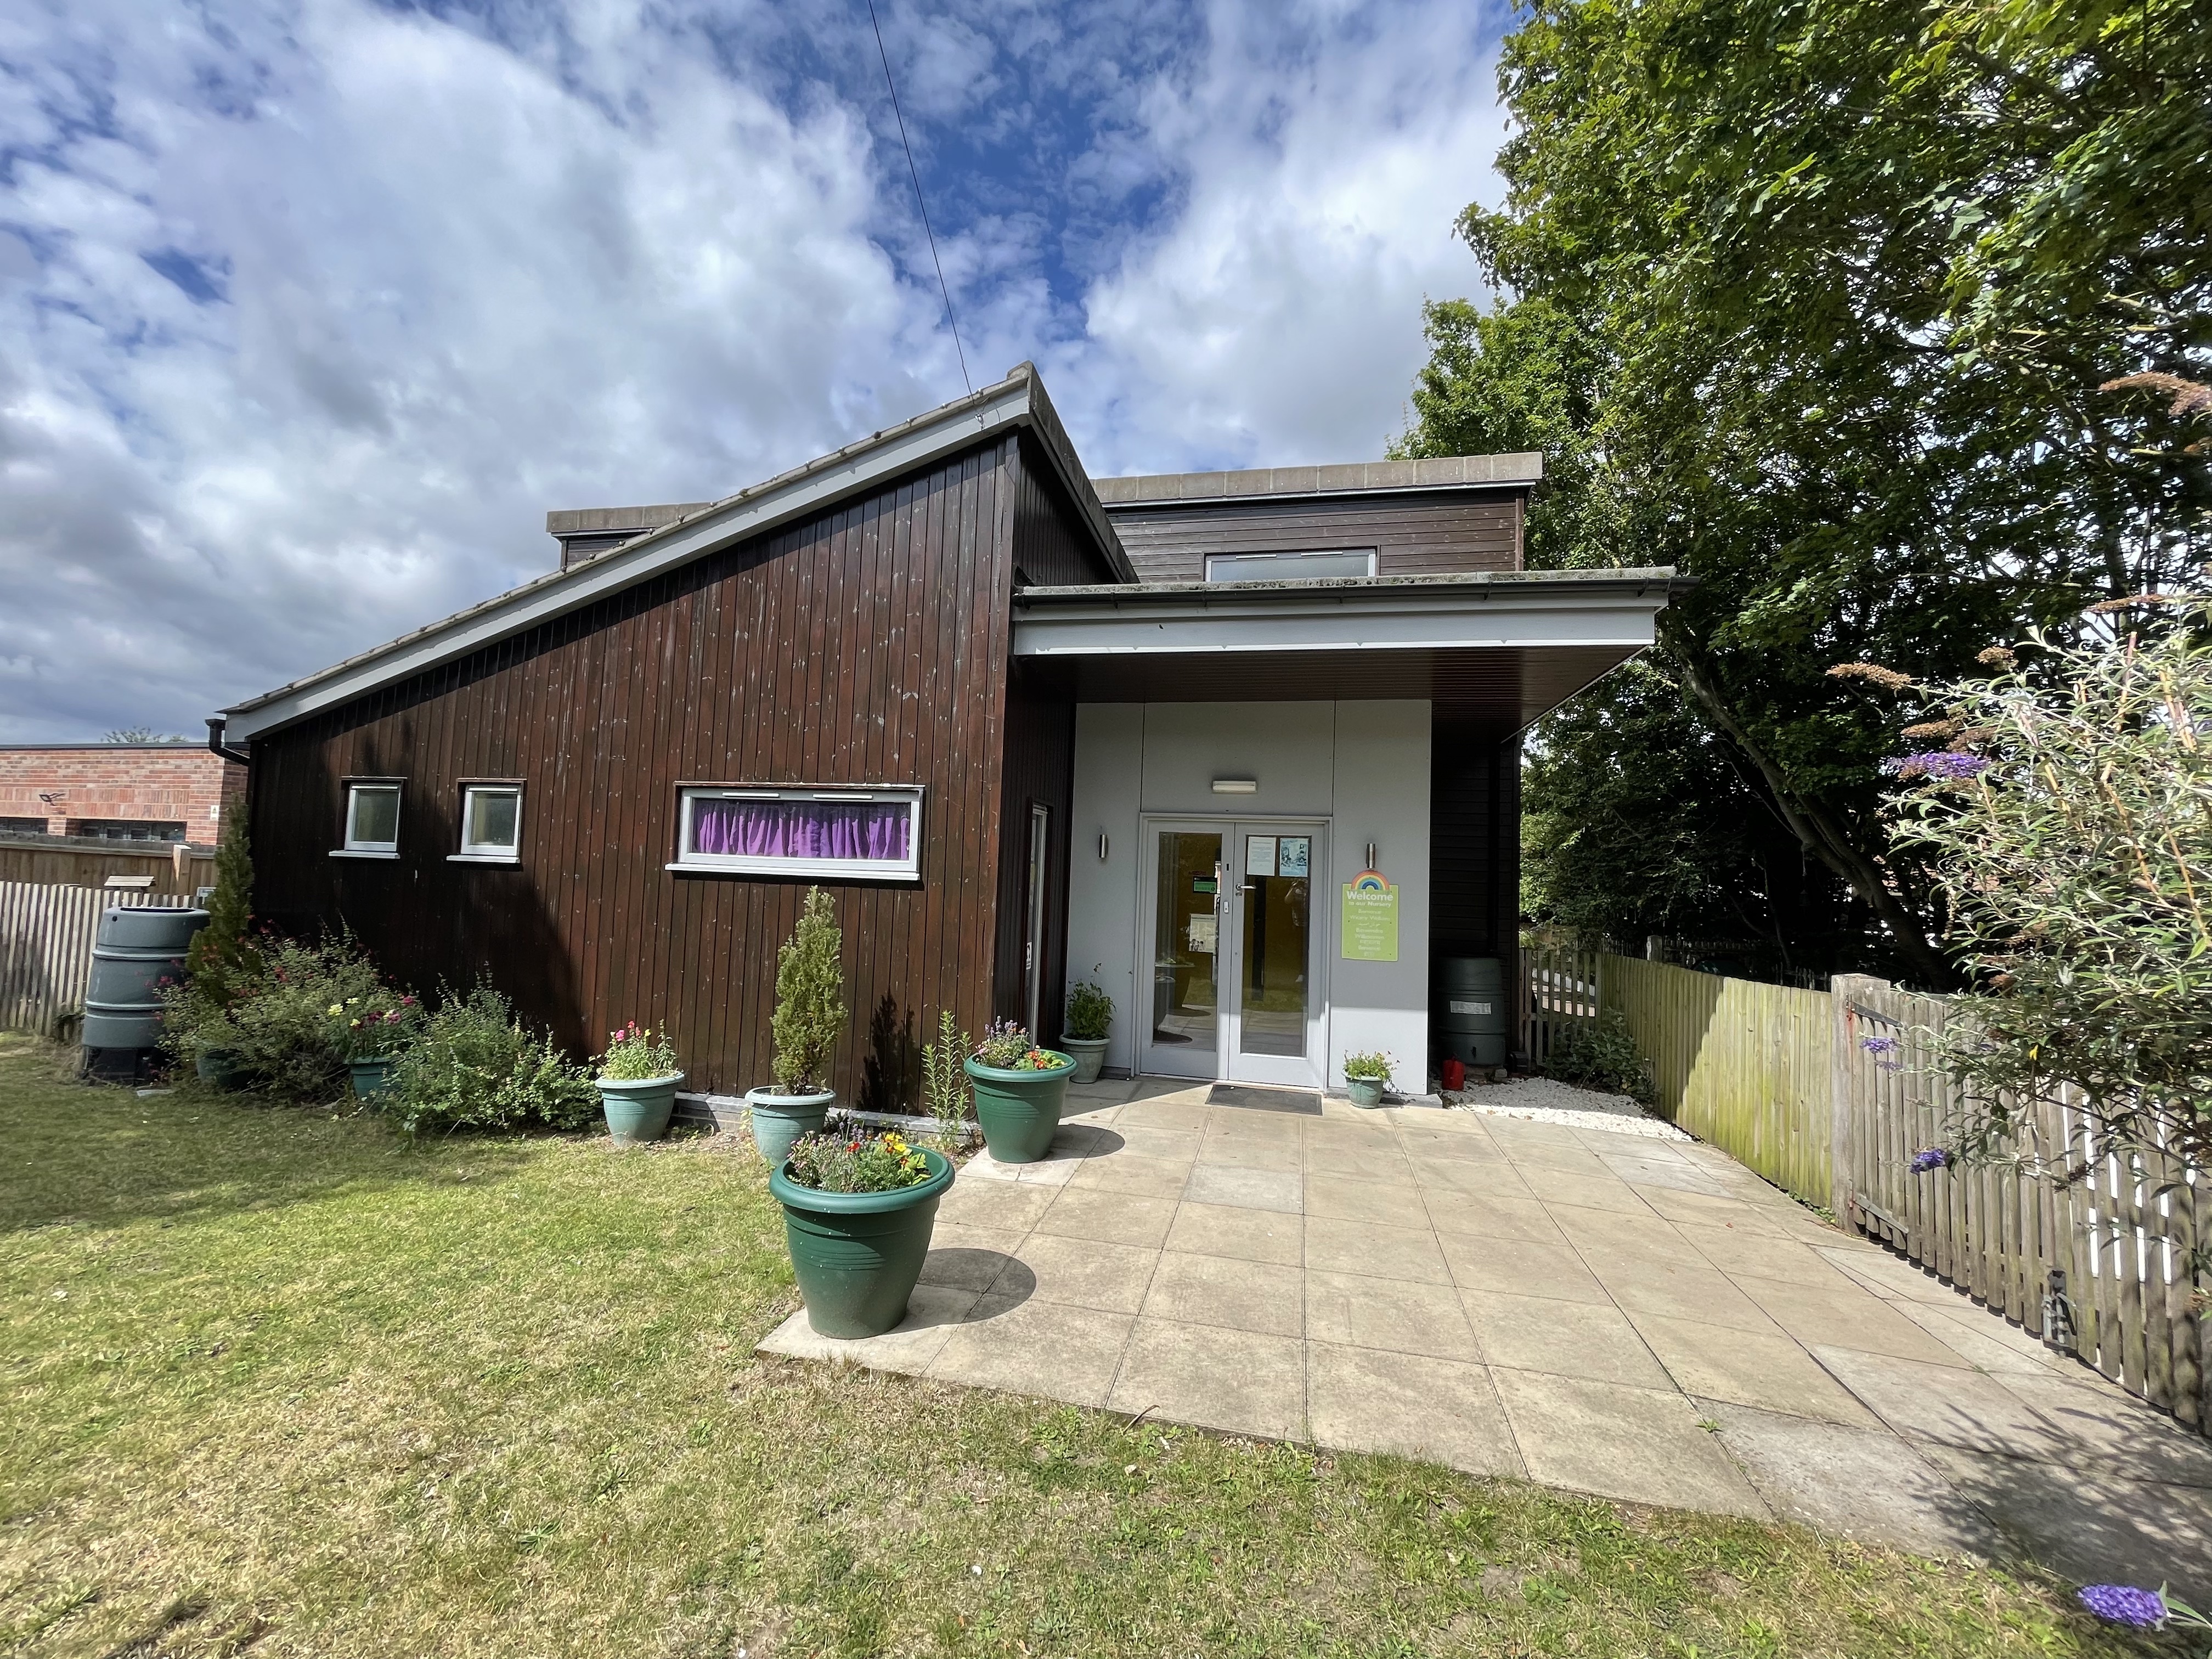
[1233, 939]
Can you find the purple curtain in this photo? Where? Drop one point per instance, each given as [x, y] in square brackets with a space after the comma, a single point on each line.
[802, 829]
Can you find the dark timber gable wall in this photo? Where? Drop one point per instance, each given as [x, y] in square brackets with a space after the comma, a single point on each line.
[869, 645]
[1413, 532]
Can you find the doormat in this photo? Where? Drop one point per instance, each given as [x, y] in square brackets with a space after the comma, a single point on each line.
[1265, 1100]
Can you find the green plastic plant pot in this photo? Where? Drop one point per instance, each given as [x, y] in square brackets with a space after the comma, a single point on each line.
[1088, 1053]
[859, 1256]
[638, 1109]
[779, 1120]
[216, 1067]
[1019, 1111]
[372, 1076]
[1365, 1091]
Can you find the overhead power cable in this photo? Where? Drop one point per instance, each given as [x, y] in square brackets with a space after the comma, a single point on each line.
[915, 174]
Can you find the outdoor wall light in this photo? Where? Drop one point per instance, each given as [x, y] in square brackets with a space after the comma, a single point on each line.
[1236, 786]
[1102, 847]
[1371, 855]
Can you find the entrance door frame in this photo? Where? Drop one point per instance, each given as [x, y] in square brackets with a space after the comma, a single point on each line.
[1309, 1071]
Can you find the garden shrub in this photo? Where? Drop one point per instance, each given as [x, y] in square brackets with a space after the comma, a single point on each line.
[274, 1015]
[478, 1067]
[810, 998]
[1600, 1054]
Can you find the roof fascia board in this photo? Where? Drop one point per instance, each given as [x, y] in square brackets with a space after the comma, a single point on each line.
[754, 514]
[1620, 619]
[1365, 493]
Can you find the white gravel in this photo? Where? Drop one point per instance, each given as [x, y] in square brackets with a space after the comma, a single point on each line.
[1546, 1100]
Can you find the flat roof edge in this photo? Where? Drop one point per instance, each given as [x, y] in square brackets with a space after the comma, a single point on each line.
[1641, 578]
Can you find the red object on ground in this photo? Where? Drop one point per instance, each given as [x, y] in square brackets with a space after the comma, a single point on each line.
[1455, 1075]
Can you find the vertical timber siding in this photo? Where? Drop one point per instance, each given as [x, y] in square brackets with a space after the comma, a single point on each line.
[1413, 534]
[868, 645]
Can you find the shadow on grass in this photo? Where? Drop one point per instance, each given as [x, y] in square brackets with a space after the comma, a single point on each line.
[84, 1154]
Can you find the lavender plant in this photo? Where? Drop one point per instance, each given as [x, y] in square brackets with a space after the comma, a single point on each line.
[2069, 815]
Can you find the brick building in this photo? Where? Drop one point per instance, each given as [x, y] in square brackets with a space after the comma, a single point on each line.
[119, 792]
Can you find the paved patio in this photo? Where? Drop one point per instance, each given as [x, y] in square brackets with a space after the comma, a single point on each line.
[1598, 1311]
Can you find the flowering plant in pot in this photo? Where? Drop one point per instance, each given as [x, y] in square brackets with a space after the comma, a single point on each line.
[1019, 1090]
[1366, 1075]
[859, 1209]
[810, 1016]
[637, 1082]
[371, 1031]
[1089, 1018]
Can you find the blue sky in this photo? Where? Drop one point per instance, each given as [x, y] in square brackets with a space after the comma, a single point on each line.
[309, 309]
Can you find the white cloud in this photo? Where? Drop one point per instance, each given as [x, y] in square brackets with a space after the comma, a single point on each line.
[423, 282]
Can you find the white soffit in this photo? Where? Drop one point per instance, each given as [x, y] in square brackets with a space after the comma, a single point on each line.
[1345, 622]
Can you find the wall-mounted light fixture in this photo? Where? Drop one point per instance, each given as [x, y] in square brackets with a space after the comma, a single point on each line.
[1102, 847]
[1371, 855]
[1236, 786]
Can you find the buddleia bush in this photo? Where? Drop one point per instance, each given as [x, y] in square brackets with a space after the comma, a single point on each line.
[477, 1066]
[2066, 799]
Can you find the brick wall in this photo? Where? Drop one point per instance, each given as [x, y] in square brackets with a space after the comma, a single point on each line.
[70, 786]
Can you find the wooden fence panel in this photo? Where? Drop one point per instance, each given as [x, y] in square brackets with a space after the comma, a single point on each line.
[46, 934]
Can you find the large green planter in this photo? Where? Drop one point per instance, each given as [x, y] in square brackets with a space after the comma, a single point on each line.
[372, 1076]
[1089, 1054]
[1019, 1111]
[779, 1120]
[638, 1109]
[1365, 1091]
[857, 1256]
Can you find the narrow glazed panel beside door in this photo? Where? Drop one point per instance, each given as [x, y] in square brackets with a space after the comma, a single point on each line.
[1274, 992]
[1186, 1012]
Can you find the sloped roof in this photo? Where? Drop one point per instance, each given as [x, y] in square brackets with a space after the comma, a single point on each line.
[1018, 401]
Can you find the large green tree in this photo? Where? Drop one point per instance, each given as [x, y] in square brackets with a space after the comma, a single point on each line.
[1814, 300]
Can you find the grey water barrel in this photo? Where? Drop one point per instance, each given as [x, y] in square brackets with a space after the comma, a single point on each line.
[137, 948]
[1470, 1014]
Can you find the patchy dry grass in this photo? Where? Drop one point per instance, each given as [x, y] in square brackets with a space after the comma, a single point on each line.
[279, 1381]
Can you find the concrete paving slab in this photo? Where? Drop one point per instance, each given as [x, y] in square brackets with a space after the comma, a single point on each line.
[1246, 1154]
[1109, 1218]
[1945, 1404]
[1748, 1255]
[1845, 1319]
[1853, 1483]
[1373, 1250]
[1454, 1145]
[1003, 1205]
[1162, 1113]
[1408, 1405]
[1706, 1210]
[1985, 1340]
[1129, 1172]
[933, 1315]
[1480, 1178]
[968, 1258]
[2088, 1529]
[1769, 1370]
[2123, 1437]
[1037, 1347]
[1081, 1272]
[1486, 1215]
[1675, 1288]
[1241, 1296]
[1561, 1339]
[1520, 1267]
[1282, 1190]
[1586, 1192]
[1352, 1200]
[1641, 1445]
[1239, 1381]
[1675, 1175]
[1388, 1313]
[1639, 1231]
[1381, 1165]
[1239, 1234]
[1888, 1275]
[1182, 1144]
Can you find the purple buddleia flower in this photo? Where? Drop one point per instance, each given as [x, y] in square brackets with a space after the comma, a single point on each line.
[1878, 1045]
[2124, 1604]
[1929, 1157]
[1935, 764]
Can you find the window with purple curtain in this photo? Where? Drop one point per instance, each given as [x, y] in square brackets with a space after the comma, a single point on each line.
[825, 832]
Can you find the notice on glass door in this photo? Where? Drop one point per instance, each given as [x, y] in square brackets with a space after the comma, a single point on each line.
[1294, 856]
[1371, 919]
[1259, 856]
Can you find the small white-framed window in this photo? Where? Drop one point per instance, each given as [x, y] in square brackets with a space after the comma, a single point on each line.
[491, 823]
[869, 834]
[1328, 564]
[371, 821]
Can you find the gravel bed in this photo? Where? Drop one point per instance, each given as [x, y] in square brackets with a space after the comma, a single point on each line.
[1546, 1100]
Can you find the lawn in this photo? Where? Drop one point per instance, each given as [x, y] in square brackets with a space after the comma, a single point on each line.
[278, 1381]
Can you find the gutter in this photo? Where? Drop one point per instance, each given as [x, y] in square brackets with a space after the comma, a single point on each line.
[216, 744]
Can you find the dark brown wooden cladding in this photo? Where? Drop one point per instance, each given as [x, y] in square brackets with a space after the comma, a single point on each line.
[1050, 550]
[1040, 771]
[1413, 533]
[1474, 839]
[867, 646]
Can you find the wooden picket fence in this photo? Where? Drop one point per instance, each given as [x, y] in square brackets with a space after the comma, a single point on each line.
[46, 935]
[2103, 1265]
[1831, 1094]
